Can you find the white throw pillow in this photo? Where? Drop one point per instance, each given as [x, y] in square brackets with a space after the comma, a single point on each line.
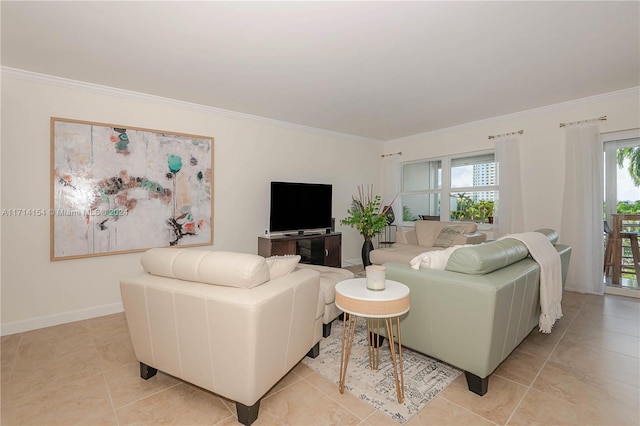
[436, 259]
[282, 265]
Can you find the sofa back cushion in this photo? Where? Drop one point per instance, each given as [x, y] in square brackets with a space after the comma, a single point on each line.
[210, 267]
[482, 259]
[282, 265]
[551, 234]
[427, 231]
[447, 236]
[488, 257]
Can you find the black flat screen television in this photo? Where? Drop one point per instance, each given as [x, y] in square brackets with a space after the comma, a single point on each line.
[299, 206]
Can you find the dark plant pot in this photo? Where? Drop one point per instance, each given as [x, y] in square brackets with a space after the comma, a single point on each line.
[366, 250]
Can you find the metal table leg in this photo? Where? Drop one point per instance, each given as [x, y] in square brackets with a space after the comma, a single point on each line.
[348, 330]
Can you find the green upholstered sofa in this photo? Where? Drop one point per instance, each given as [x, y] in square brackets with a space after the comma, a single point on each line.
[474, 313]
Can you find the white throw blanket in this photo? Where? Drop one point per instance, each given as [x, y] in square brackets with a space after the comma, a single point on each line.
[548, 258]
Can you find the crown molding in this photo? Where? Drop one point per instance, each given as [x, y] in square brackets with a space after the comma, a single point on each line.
[632, 91]
[114, 91]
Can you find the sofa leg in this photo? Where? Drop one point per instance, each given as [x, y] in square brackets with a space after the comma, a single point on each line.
[326, 330]
[376, 339]
[247, 415]
[341, 317]
[146, 371]
[477, 385]
[314, 351]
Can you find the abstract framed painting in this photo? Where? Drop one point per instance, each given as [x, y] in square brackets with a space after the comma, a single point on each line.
[119, 189]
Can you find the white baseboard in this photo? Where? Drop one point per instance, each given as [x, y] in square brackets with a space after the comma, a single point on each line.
[62, 318]
[619, 291]
[351, 262]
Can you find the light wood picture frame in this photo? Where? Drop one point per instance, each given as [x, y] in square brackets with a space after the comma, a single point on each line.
[120, 189]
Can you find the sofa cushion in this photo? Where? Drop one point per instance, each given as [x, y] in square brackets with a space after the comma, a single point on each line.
[401, 253]
[427, 231]
[210, 267]
[282, 265]
[550, 233]
[484, 258]
[434, 259]
[447, 235]
[329, 277]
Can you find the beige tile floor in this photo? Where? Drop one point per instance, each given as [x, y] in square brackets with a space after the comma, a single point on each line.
[85, 373]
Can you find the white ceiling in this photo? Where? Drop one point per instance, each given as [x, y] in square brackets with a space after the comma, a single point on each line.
[379, 70]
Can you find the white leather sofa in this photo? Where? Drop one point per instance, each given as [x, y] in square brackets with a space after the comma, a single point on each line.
[329, 277]
[226, 322]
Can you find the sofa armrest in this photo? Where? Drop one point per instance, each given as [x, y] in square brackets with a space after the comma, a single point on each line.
[470, 321]
[407, 236]
[475, 238]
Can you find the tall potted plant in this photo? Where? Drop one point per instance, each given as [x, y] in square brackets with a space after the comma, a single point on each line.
[368, 217]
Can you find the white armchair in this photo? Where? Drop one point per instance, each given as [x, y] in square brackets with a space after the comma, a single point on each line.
[221, 321]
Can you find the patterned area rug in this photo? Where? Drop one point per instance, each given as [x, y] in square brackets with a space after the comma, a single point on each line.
[424, 378]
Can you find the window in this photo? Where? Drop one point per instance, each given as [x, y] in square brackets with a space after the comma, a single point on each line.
[468, 183]
[621, 194]
[422, 184]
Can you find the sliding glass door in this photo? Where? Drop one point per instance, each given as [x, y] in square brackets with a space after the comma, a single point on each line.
[622, 197]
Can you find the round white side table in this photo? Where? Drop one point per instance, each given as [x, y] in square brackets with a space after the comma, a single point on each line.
[355, 300]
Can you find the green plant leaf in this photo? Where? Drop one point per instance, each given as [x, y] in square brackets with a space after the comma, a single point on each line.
[365, 213]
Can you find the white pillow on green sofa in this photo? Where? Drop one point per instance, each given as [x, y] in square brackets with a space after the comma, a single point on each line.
[435, 259]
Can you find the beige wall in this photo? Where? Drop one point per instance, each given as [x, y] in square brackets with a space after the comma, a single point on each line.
[542, 146]
[249, 153]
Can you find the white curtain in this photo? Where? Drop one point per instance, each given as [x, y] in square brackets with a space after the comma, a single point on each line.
[582, 206]
[391, 184]
[509, 217]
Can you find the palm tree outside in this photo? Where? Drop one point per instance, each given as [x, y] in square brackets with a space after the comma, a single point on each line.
[633, 155]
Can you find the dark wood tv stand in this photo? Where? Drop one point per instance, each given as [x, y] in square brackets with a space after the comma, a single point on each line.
[314, 248]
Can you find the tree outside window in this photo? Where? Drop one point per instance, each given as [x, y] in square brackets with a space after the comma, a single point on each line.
[468, 182]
